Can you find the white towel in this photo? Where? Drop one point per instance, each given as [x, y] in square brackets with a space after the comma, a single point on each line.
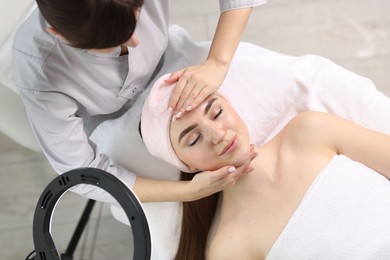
[344, 215]
[267, 89]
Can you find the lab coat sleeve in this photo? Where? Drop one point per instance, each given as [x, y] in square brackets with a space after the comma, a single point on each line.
[226, 5]
[60, 133]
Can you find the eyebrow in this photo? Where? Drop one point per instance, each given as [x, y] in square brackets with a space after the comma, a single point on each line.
[190, 128]
[208, 106]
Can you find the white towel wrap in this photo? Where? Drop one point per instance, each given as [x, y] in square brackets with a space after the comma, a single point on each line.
[344, 215]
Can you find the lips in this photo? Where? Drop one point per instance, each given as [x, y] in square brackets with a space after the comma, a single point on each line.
[230, 146]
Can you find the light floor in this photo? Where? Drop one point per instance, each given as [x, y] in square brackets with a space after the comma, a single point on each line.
[353, 33]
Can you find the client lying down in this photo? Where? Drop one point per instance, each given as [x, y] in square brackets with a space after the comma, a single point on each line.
[319, 188]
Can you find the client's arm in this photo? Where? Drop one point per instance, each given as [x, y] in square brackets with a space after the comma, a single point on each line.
[361, 144]
[354, 141]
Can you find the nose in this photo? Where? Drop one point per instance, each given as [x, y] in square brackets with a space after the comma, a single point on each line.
[215, 133]
[133, 41]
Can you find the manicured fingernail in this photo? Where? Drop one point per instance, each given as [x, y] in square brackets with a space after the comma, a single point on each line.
[174, 118]
[188, 108]
[170, 109]
[178, 115]
[232, 169]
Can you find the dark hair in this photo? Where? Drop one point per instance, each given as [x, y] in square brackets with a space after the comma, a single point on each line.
[92, 24]
[197, 219]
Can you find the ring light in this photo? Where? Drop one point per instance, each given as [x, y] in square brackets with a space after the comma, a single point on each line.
[44, 245]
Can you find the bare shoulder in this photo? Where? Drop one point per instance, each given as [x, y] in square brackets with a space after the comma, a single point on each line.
[307, 128]
[309, 120]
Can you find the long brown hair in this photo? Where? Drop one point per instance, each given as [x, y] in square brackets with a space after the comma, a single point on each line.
[92, 24]
[197, 219]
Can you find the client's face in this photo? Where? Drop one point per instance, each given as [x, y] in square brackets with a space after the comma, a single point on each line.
[210, 136]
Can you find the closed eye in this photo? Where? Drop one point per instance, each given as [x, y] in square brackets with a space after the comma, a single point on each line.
[195, 141]
[198, 137]
[218, 114]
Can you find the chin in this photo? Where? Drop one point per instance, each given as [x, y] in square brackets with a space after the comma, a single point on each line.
[240, 159]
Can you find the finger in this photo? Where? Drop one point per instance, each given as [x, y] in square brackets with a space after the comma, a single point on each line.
[245, 165]
[238, 174]
[243, 169]
[199, 98]
[231, 177]
[189, 103]
[221, 173]
[249, 169]
[223, 182]
[176, 93]
[183, 98]
[253, 153]
[174, 76]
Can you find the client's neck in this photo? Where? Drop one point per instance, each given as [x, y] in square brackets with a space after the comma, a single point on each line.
[258, 180]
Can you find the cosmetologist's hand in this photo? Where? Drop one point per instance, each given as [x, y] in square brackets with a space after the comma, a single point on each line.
[195, 84]
[209, 182]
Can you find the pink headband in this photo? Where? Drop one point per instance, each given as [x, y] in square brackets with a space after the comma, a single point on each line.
[155, 122]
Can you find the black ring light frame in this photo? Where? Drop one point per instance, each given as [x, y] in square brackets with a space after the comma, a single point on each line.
[45, 248]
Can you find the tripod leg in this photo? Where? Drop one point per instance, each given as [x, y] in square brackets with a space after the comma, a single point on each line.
[68, 255]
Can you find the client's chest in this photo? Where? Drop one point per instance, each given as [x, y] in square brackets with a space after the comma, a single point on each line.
[264, 210]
